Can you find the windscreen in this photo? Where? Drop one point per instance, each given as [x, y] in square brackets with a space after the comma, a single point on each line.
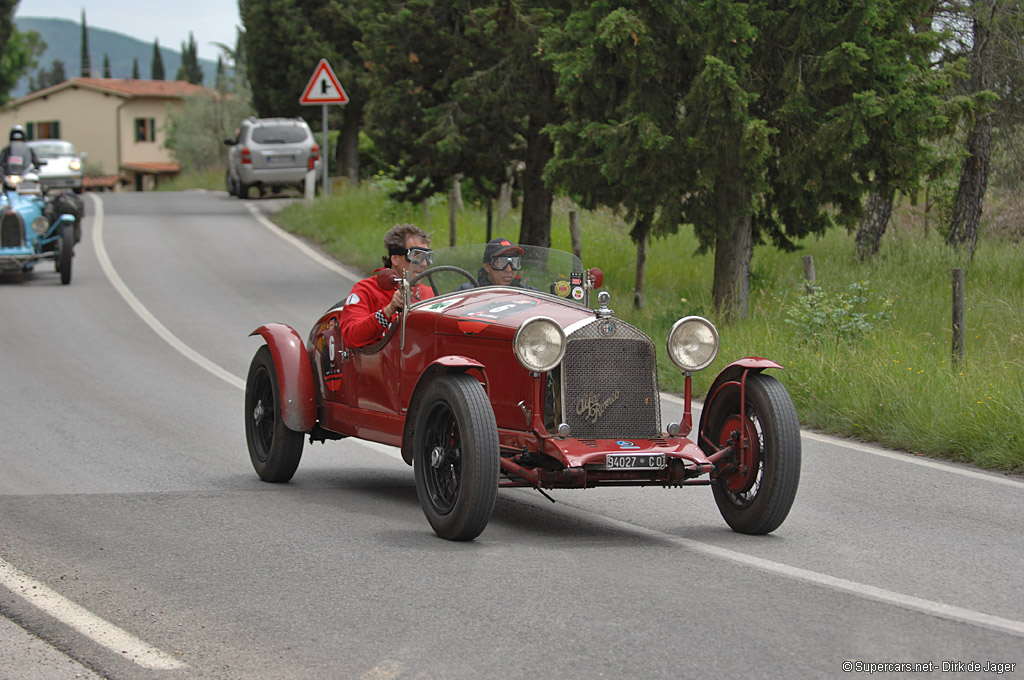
[542, 270]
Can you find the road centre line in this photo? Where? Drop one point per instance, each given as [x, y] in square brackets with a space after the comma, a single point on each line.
[102, 632]
[938, 609]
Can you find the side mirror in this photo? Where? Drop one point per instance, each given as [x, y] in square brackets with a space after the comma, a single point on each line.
[229, 142]
[387, 279]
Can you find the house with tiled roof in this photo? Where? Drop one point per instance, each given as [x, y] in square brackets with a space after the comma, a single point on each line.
[118, 122]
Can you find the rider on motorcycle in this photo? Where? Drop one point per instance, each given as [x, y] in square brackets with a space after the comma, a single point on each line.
[18, 157]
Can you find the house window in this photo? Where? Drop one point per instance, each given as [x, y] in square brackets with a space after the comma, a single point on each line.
[48, 129]
[145, 129]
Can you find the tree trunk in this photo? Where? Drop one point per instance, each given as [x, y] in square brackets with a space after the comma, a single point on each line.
[347, 152]
[730, 291]
[641, 271]
[970, 196]
[872, 226]
[537, 197]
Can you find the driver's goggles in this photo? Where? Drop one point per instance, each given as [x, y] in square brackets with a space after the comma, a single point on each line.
[420, 255]
[503, 261]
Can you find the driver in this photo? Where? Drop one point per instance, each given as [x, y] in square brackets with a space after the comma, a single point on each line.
[502, 262]
[369, 309]
[18, 157]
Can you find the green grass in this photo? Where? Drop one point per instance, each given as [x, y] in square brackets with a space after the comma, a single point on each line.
[211, 179]
[888, 380]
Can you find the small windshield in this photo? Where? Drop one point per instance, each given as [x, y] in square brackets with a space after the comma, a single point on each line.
[551, 272]
[53, 149]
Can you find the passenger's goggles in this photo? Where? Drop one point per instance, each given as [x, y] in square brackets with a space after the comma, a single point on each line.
[420, 255]
[503, 261]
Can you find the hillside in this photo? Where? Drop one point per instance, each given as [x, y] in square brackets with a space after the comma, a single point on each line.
[64, 42]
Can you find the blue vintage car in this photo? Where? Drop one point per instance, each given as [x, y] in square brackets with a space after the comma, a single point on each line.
[31, 230]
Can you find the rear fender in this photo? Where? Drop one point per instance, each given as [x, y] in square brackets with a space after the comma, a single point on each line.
[441, 365]
[732, 373]
[294, 375]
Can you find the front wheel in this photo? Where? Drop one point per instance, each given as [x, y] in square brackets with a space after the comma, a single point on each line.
[273, 448]
[65, 251]
[455, 457]
[756, 489]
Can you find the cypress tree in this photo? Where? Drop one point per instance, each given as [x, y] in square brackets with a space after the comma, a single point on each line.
[106, 66]
[86, 62]
[135, 68]
[157, 69]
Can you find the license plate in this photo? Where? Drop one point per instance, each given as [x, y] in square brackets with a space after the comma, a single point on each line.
[634, 461]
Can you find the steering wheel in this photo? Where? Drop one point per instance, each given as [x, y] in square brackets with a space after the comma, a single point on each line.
[441, 268]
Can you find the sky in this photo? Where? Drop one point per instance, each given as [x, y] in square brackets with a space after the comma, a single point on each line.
[210, 21]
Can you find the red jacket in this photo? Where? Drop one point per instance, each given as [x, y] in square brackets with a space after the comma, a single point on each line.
[361, 324]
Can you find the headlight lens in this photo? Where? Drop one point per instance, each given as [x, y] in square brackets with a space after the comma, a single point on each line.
[75, 164]
[693, 343]
[539, 344]
[40, 225]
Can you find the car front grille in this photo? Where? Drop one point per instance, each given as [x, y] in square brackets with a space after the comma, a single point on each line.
[12, 231]
[609, 382]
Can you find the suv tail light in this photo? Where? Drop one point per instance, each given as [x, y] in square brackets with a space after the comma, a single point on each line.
[246, 156]
[314, 155]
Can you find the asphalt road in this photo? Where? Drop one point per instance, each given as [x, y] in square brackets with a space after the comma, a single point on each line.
[137, 542]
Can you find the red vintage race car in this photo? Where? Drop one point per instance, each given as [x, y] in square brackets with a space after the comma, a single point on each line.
[524, 385]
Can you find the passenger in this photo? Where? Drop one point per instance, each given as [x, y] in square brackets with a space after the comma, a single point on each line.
[502, 262]
[369, 309]
[18, 157]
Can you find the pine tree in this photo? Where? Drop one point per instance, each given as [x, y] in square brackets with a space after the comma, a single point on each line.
[135, 68]
[106, 66]
[86, 62]
[157, 68]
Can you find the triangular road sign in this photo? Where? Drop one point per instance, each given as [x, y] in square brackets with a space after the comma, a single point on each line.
[323, 87]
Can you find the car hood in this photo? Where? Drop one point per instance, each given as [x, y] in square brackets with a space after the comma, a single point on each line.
[57, 166]
[497, 312]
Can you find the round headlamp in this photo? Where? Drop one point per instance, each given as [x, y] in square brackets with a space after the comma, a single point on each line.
[539, 344]
[692, 343]
[40, 225]
[75, 164]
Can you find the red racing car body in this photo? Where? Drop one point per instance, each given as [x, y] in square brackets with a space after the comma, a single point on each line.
[485, 386]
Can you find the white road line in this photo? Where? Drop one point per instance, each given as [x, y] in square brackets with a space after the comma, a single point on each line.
[88, 624]
[939, 609]
[313, 254]
[933, 608]
[140, 309]
[877, 451]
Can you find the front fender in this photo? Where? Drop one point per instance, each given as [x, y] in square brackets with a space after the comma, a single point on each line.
[733, 373]
[447, 364]
[294, 375]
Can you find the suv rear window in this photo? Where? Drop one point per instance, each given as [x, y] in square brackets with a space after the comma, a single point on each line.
[278, 134]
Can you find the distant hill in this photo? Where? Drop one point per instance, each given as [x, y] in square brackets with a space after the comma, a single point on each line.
[63, 40]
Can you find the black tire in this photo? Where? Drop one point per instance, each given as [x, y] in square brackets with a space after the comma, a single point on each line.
[756, 499]
[455, 457]
[66, 203]
[243, 190]
[275, 450]
[229, 184]
[65, 251]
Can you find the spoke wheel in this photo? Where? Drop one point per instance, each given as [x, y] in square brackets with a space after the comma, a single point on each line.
[275, 450]
[755, 489]
[455, 457]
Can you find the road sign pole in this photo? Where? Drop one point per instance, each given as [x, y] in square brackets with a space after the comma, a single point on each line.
[324, 157]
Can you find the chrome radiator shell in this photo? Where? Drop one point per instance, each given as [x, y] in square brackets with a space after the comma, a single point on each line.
[609, 382]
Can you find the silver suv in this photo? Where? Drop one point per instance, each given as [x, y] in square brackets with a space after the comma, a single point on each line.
[271, 153]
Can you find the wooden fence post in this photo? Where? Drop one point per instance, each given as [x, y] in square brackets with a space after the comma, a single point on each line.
[958, 316]
[809, 278]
